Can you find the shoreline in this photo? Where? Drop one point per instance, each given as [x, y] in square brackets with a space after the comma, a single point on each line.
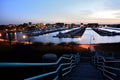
[110, 47]
[33, 52]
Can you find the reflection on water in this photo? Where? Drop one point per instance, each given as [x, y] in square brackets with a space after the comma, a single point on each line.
[89, 33]
[15, 36]
[46, 38]
[0, 34]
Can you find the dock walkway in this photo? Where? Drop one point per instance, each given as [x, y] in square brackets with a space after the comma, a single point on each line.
[84, 71]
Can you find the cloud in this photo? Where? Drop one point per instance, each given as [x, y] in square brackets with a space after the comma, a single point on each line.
[112, 4]
[106, 14]
[117, 14]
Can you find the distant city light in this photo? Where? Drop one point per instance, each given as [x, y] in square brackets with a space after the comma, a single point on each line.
[0, 34]
[24, 36]
[79, 38]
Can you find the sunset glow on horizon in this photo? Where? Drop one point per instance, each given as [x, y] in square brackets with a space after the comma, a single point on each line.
[52, 11]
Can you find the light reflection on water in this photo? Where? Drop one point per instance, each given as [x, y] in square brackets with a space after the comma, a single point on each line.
[46, 38]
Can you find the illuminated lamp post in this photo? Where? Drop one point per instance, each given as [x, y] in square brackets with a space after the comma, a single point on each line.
[24, 37]
[91, 38]
[28, 38]
[0, 34]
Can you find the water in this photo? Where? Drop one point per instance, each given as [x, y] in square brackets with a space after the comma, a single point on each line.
[92, 37]
[89, 37]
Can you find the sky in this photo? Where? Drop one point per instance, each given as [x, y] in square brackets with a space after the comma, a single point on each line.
[67, 11]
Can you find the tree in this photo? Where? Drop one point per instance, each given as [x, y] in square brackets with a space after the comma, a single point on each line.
[72, 45]
[62, 44]
[49, 45]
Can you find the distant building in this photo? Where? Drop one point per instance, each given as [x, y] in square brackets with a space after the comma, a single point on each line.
[114, 25]
[73, 25]
[40, 25]
[59, 24]
[92, 25]
[29, 24]
[25, 24]
[66, 25]
[82, 25]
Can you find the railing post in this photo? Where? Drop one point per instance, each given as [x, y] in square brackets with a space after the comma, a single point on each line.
[118, 76]
[78, 57]
[94, 58]
[103, 67]
[71, 63]
[60, 74]
[75, 59]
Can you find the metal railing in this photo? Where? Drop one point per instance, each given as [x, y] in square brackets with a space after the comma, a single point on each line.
[109, 68]
[64, 66]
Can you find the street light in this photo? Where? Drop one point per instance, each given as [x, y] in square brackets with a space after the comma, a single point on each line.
[91, 38]
[28, 38]
[24, 36]
[0, 34]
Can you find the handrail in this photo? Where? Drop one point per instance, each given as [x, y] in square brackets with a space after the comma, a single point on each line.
[58, 69]
[13, 64]
[63, 68]
[110, 72]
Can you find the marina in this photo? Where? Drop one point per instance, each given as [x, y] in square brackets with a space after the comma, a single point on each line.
[86, 38]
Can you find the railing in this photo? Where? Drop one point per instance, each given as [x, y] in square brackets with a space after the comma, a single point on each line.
[64, 66]
[109, 68]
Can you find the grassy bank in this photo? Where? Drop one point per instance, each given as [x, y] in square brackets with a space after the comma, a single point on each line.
[20, 52]
[110, 47]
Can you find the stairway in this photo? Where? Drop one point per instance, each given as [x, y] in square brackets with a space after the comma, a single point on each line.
[85, 70]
